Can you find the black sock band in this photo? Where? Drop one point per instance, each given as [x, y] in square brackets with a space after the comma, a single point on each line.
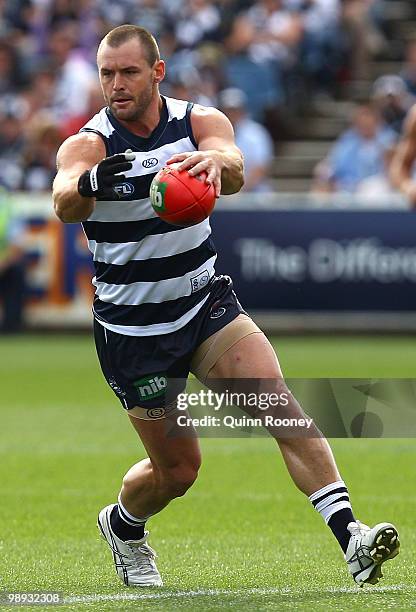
[338, 524]
[123, 529]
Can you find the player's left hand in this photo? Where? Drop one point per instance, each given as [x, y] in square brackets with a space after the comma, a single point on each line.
[201, 161]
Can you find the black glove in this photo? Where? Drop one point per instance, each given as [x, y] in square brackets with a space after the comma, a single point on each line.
[100, 180]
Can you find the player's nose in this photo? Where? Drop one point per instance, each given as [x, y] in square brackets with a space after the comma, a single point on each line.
[118, 83]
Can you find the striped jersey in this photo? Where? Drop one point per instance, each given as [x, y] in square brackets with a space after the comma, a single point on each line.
[151, 277]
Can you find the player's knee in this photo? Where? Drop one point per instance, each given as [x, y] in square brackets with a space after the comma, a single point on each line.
[177, 480]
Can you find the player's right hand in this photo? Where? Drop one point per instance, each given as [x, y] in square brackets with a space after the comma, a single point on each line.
[100, 180]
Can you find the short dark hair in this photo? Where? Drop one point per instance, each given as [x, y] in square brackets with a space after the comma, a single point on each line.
[123, 33]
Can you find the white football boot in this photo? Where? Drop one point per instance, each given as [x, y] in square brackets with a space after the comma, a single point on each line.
[134, 560]
[368, 549]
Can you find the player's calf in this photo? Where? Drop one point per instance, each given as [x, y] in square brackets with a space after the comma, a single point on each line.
[148, 488]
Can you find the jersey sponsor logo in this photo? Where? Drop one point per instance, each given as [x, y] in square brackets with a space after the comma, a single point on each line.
[216, 314]
[124, 189]
[199, 281]
[150, 163]
[156, 413]
[151, 386]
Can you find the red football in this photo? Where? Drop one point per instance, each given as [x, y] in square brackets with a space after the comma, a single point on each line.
[181, 199]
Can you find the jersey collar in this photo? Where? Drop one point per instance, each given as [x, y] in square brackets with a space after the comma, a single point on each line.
[138, 142]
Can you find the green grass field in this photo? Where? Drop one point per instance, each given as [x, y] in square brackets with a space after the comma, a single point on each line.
[243, 537]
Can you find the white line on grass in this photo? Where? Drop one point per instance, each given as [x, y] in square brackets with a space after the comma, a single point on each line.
[86, 599]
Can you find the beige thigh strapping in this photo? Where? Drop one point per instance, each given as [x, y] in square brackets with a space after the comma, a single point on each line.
[208, 353]
[204, 359]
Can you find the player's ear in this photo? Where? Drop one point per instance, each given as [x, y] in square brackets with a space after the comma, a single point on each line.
[159, 71]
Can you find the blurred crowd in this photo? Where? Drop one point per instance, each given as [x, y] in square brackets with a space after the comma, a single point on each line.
[275, 53]
[359, 162]
[263, 62]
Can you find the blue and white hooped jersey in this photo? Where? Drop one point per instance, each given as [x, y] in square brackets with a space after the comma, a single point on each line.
[151, 277]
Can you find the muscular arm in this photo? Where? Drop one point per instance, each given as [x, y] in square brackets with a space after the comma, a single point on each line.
[217, 153]
[213, 132]
[77, 154]
[404, 158]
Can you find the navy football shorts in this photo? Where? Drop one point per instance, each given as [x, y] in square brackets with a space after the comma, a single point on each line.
[150, 371]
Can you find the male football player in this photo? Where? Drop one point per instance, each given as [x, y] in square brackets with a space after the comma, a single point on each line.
[158, 299]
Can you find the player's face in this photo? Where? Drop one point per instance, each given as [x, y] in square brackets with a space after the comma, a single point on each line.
[129, 84]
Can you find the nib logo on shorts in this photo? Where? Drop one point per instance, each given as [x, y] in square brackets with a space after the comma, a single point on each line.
[151, 386]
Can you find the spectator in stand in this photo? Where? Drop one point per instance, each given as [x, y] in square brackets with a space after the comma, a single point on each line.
[359, 153]
[392, 99]
[11, 71]
[74, 73]
[275, 51]
[15, 15]
[252, 139]
[408, 73]
[186, 84]
[44, 138]
[263, 44]
[11, 268]
[12, 141]
[374, 189]
[150, 14]
[324, 45]
[61, 11]
[40, 92]
[196, 21]
[270, 31]
[95, 104]
[365, 37]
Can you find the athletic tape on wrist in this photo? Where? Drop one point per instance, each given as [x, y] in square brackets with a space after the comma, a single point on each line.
[93, 178]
